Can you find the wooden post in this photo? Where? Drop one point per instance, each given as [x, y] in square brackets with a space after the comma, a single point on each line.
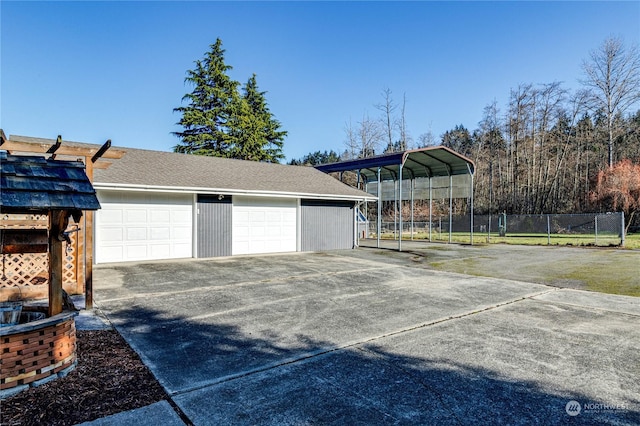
[79, 250]
[88, 244]
[57, 225]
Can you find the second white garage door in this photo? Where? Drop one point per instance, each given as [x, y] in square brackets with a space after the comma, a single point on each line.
[143, 226]
[262, 225]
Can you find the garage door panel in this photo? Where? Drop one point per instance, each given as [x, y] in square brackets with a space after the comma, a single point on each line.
[161, 215]
[163, 233]
[136, 234]
[262, 225]
[179, 232]
[135, 215]
[143, 226]
[135, 252]
[180, 216]
[182, 250]
[113, 218]
[110, 235]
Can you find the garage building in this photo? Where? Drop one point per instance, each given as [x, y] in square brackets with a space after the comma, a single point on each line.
[161, 205]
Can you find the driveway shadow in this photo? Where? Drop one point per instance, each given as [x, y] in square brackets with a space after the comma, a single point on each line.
[219, 374]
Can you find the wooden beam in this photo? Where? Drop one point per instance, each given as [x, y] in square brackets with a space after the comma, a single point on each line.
[101, 151]
[57, 224]
[75, 151]
[101, 164]
[55, 147]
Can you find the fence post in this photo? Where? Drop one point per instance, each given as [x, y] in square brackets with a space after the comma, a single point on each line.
[596, 228]
[548, 231]
[622, 229]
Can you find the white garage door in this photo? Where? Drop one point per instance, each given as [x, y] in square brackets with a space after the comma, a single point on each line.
[143, 226]
[263, 225]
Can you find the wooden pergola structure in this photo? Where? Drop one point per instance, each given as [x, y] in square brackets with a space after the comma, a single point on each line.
[92, 158]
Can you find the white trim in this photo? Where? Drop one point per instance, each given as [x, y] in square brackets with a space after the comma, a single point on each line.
[227, 191]
[194, 229]
[299, 225]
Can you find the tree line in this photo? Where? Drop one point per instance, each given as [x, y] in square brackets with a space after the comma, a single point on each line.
[548, 150]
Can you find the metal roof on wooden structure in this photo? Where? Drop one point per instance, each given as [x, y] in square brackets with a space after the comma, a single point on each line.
[38, 183]
[423, 162]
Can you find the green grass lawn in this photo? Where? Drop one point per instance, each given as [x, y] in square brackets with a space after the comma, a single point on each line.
[604, 269]
[632, 241]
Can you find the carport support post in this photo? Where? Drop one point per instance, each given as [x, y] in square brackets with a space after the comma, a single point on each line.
[430, 209]
[395, 209]
[379, 218]
[450, 206]
[400, 198]
[471, 197]
[413, 181]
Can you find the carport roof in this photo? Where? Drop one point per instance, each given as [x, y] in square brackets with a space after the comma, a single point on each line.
[159, 171]
[423, 162]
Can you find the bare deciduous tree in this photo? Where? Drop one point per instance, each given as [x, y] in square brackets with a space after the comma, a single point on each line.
[363, 140]
[613, 74]
[405, 139]
[388, 107]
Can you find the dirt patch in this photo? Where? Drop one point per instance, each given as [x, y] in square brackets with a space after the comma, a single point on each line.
[109, 378]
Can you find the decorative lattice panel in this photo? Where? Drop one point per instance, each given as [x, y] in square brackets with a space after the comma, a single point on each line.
[71, 253]
[32, 269]
[23, 221]
[24, 269]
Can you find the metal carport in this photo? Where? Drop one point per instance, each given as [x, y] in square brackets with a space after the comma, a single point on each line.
[418, 163]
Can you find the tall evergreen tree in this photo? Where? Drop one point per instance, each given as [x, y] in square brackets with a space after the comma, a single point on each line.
[219, 121]
[259, 136]
[210, 106]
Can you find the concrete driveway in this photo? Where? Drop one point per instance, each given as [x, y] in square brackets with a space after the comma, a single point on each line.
[365, 337]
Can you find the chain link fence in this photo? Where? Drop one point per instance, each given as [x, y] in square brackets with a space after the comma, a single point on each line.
[588, 229]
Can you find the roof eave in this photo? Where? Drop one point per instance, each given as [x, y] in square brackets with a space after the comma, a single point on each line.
[231, 191]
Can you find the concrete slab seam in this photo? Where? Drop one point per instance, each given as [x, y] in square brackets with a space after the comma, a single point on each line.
[314, 354]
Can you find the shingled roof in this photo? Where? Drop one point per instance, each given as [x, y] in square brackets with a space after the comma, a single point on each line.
[37, 183]
[158, 170]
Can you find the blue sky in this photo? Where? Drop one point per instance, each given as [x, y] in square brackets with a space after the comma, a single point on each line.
[92, 71]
